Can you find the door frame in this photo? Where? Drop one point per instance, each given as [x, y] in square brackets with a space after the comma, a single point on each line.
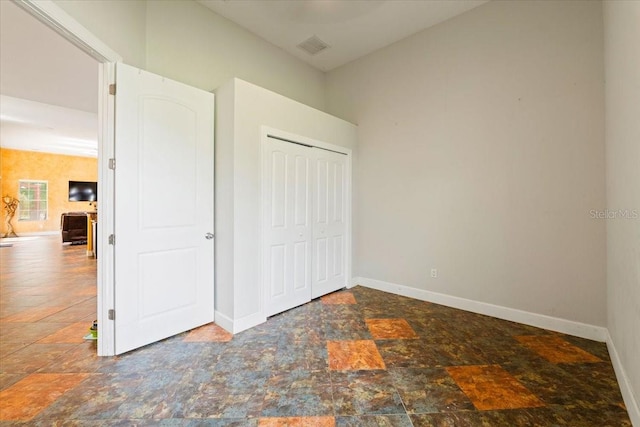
[54, 17]
[265, 133]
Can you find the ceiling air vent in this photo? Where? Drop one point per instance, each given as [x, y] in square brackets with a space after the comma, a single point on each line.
[313, 45]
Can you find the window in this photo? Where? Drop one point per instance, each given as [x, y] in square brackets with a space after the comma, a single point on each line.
[33, 197]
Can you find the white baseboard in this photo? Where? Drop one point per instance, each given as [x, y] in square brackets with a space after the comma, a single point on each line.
[235, 326]
[625, 386]
[569, 327]
[225, 322]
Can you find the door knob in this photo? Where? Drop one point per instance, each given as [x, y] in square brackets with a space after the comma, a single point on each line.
[208, 236]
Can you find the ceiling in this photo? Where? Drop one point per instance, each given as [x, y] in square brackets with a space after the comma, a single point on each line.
[49, 87]
[351, 28]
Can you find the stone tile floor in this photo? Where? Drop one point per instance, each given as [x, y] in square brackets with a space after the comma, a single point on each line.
[357, 357]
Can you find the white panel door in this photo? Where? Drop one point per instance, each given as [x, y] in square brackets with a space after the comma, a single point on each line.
[164, 211]
[329, 222]
[286, 226]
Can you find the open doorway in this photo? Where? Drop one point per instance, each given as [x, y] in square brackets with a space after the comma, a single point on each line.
[188, 116]
[49, 133]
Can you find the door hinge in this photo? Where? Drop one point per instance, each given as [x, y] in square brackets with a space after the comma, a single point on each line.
[112, 89]
[112, 164]
[111, 314]
[112, 239]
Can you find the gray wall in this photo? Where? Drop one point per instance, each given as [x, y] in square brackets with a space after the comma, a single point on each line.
[119, 24]
[190, 43]
[481, 154]
[187, 42]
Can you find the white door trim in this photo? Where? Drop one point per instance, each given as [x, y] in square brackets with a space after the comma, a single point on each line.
[265, 132]
[56, 18]
[60, 21]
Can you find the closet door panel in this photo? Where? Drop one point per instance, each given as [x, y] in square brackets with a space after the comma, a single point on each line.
[329, 224]
[287, 226]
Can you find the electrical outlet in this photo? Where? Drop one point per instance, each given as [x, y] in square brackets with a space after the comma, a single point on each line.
[434, 272]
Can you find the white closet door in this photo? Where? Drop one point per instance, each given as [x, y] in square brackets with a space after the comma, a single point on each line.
[329, 222]
[287, 226]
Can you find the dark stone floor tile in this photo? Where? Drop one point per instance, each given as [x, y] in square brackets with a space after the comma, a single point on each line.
[365, 393]
[212, 403]
[97, 397]
[220, 422]
[299, 380]
[494, 327]
[510, 418]
[429, 390]
[411, 310]
[130, 423]
[238, 382]
[498, 349]
[311, 333]
[598, 349]
[431, 330]
[248, 358]
[595, 384]
[346, 329]
[226, 395]
[546, 380]
[16, 424]
[159, 395]
[301, 356]
[297, 403]
[342, 311]
[374, 421]
[423, 354]
[587, 385]
[449, 419]
[68, 423]
[570, 416]
[168, 356]
[298, 393]
[256, 338]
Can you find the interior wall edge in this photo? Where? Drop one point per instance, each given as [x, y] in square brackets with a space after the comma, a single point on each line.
[240, 324]
[569, 327]
[633, 408]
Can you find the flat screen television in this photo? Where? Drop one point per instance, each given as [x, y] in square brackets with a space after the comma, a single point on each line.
[83, 191]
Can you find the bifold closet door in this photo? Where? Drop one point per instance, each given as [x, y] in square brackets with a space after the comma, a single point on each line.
[287, 251]
[329, 222]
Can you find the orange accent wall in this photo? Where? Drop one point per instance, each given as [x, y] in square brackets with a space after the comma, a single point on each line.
[58, 170]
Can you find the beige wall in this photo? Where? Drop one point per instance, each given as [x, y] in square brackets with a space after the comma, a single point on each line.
[187, 42]
[119, 24]
[58, 170]
[622, 63]
[481, 154]
[190, 43]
